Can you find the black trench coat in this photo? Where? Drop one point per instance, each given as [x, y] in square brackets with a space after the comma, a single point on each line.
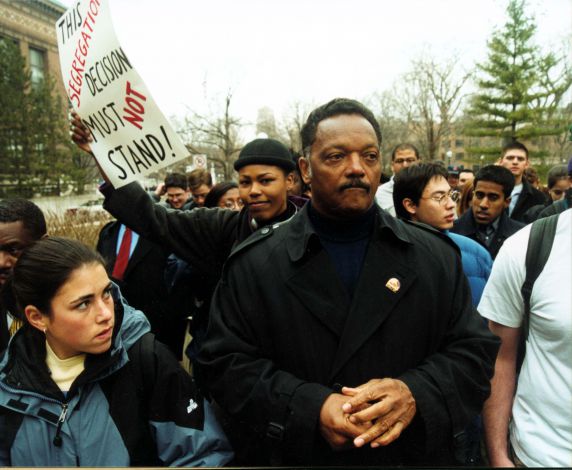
[283, 334]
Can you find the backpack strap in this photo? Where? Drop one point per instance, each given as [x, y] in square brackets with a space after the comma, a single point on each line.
[142, 355]
[537, 252]
[144, 375]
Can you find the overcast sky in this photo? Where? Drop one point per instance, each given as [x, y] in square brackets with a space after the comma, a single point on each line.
[274, 52]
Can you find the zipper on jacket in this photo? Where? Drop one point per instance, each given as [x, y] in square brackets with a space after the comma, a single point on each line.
[57, 438]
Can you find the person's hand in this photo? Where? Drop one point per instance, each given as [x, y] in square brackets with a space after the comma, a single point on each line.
[160, 189]
[392, 408]
[335, 426]
[80, 134]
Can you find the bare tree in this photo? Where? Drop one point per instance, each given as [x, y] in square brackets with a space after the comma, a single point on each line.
[395, 129]
[216, 134]
[293, 122]
[428, 99]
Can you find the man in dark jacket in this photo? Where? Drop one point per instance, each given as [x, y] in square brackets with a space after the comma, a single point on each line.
[176, 187]
[141, 281]
[523, 196]
[21, 224]
[345, 336]
[487, 221]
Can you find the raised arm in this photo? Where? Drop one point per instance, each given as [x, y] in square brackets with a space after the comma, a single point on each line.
[203, 237]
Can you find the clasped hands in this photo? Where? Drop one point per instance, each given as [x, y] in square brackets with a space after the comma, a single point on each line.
[376, 412]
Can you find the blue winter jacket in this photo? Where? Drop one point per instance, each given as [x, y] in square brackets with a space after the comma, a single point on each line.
[112, 415]
[477, 264]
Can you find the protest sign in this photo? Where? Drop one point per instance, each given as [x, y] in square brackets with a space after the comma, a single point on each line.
[131, 137]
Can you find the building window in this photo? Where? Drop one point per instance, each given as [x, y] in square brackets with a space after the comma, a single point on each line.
[459, 155]
[37, 65]
[458, 143]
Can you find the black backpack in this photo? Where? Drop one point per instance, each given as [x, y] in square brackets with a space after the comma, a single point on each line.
[537, 252]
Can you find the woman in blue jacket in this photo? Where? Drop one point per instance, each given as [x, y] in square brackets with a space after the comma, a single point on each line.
[83, 383]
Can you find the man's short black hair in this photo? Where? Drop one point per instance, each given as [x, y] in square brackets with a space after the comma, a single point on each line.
[336, 107]
[31, 216]
[176, 180]
[499, 175]
[402, 147]
[514, 144]
[410, 183]
[466, 170]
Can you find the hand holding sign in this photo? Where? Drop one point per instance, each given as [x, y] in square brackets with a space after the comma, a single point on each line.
[129, 135]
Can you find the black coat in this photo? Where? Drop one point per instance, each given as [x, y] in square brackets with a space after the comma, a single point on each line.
[283, 333]
[203, 237]
[558, 206]
[143, 283]
[529, 197]
[467, 226]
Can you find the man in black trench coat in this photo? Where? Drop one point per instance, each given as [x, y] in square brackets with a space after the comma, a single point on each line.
[346, 336]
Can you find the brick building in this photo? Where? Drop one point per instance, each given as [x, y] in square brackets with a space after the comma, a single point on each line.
[31, 23]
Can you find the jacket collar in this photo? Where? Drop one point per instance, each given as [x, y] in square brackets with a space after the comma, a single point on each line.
[467, 225]
[302, 236]
[24, 363]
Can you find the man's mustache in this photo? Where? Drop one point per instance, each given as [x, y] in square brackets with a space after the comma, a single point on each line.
[355, 183]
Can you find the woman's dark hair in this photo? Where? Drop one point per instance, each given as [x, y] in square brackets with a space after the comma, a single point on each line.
[217, 192]
[557, 173]
[465, 200]
[42, 270]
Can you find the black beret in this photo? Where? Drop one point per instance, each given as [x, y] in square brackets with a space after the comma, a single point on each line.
[265, 152]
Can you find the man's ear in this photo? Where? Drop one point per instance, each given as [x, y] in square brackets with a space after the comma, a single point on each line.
[36, 318]
[409, 206]
[507, 202]
[289, 181]
[305, 170]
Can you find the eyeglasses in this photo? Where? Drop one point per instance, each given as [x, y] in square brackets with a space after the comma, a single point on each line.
[401, 161]
[442, 199]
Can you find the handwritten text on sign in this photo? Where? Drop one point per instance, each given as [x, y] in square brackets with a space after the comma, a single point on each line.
[131, 137]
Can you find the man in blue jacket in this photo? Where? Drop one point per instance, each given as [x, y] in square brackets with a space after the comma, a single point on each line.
[422, 194]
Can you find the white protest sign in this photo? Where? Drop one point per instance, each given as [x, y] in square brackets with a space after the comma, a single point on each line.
[131, 137]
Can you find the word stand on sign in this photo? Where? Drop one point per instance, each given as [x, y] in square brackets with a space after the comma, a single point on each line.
[131, 137]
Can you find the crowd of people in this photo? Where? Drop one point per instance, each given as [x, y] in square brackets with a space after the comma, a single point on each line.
[334, 321]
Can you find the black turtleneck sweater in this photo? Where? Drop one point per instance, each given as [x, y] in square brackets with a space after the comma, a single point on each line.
[345, 242]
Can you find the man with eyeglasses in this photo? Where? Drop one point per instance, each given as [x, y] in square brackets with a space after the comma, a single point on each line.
[487, 221]
[423, 195]
[403, 156]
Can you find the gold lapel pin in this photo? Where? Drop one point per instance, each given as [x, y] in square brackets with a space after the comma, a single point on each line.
[393, 285]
